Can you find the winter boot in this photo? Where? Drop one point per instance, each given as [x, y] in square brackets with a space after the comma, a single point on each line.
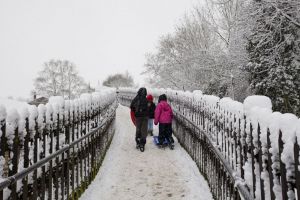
[171, 146]
[171, 140]
[160, 140]
[151, 132]
[137, 140]
[142, 148]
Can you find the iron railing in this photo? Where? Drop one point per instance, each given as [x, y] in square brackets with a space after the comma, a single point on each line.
[239, 158]
[59, 158]
[210, 162]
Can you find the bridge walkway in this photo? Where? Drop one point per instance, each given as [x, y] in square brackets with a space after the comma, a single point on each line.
[157, 174]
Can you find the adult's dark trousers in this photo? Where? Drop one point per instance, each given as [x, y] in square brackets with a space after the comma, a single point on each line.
[165, 133]
[141, 130]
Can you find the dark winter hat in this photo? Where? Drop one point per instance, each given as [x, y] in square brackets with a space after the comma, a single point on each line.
[149, 97]
[162, 97]
[142, 92]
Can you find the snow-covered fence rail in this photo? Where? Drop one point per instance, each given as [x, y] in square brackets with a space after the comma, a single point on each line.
[54, 151]
[243, 149]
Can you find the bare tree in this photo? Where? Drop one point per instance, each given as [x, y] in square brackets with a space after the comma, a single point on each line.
[59, 77]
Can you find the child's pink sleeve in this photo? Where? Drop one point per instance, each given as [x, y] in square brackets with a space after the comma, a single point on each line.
[157, 114]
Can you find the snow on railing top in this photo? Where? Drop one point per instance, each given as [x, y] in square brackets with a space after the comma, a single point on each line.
[15, 113]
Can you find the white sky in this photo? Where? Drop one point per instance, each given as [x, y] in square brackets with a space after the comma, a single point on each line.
[101, 37]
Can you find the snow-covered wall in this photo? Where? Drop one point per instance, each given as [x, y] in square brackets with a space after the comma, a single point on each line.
[258, 143]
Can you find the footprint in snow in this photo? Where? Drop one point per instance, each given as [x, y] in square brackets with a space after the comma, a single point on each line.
[170, 195]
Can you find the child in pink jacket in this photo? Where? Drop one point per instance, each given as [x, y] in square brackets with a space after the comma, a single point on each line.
[164, 116]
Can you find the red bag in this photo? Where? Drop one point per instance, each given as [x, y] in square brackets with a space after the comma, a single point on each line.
[132, 117]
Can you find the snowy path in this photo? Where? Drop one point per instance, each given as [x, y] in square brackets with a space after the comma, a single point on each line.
[157, 174]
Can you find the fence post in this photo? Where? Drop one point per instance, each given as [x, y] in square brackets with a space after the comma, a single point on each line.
[297, 174]
[68, 155]
[252, 161]
[282, 169]
[270, 167]
[72, 155]
[26, 158]
[50, 162]
[15, 162]
[3, 150]
[56, 175]
[44, 141]
[236, 137]
[62, 173]
[260, 162]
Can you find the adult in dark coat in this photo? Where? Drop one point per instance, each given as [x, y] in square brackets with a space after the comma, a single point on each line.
[139, 106]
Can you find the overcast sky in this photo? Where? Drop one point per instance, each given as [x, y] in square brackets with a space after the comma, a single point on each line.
[101, 37]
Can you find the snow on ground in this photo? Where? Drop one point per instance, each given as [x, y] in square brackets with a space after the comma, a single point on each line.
[157, 174]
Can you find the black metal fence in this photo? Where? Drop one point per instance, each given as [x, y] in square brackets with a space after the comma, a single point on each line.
[55, 155]
[239, 158]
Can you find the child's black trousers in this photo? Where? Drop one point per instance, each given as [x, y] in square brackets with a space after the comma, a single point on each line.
[165, 132]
